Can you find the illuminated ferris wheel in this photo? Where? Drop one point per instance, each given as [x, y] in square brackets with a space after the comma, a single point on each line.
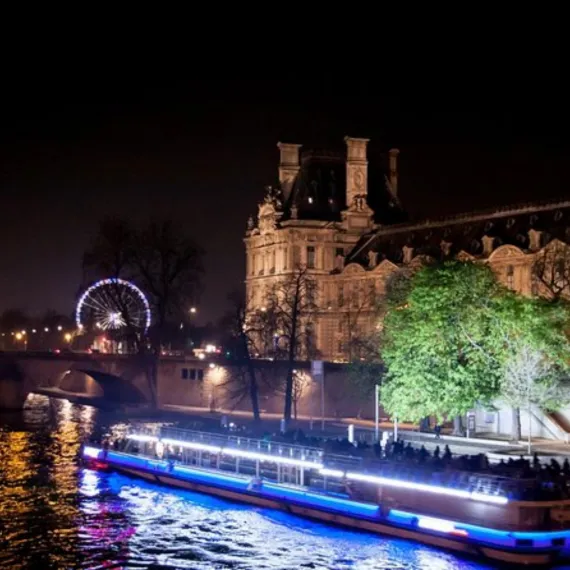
[111, 305]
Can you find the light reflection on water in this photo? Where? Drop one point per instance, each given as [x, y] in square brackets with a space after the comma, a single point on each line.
[55, 514]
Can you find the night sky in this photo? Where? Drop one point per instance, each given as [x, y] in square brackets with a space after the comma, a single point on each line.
[201, 153]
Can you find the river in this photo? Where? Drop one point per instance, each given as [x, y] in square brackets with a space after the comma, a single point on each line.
[55, 514]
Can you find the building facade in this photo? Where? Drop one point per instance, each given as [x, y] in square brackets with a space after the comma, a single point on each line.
[340, 219]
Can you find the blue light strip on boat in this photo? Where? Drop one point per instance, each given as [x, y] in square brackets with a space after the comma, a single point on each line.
[475, 532]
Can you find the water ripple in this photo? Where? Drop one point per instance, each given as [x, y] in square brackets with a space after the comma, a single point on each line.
[55, 514]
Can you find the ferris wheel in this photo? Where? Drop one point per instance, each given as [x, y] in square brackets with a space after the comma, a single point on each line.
[112, 304]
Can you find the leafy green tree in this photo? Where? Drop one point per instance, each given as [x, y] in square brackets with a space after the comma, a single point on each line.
[530, 347]
[531, 378]
[435, 342]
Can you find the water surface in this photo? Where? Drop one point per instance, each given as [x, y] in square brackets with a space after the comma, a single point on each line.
[55, 514]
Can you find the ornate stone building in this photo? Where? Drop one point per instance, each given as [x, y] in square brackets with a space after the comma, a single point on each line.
[341, 219]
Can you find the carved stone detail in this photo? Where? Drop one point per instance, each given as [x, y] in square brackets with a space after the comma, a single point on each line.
[506, 251]
[372, 259]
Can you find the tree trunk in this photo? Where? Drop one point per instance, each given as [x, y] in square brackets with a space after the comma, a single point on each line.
[290, 368]
[295, 408]
[516, 425]
[458, 426]
[529, 438]
[152, 378]
[253, 389]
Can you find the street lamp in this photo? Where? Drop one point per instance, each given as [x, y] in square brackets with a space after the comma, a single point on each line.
[193, 310]
[67, 337]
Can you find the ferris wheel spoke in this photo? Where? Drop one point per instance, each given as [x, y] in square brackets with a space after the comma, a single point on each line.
[99, 302]
[113, 304]
[96, 307]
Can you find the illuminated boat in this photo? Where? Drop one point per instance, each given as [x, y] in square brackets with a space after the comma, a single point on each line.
[480, 518]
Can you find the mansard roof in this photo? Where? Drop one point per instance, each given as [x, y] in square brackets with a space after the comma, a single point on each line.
[464, 232]
[319, 191]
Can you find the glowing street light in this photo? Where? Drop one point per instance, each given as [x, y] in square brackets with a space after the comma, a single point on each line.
[59, 328]
[193, 310]
[19, 336]
[46, 329]
[67, 337]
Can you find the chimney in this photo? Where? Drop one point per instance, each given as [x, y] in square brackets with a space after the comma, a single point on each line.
[408, 253]
[393, 154]
[488, 243]
[534, 239]
[288, 166]
[356, 169]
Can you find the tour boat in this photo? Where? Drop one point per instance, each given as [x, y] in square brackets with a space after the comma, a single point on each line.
[474, 514]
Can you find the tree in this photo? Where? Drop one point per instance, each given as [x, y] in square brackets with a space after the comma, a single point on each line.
[301, 382]
[360, 315]
[245, 328]
[167, 266]
[112, 255]
[433, 334]
[291, 303]
[551, 268]
[531, 379]
[529, 344]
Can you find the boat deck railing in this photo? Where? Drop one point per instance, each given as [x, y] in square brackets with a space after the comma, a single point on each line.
[476, 482]
[234, 441]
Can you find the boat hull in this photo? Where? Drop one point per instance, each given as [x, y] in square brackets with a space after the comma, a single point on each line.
[323, 508]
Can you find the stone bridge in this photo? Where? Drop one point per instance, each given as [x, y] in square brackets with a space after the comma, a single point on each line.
[182, 382]
[102, 377]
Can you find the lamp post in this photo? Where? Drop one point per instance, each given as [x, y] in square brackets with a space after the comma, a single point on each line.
[377, 413]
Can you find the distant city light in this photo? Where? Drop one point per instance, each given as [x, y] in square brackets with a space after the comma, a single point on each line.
[192, 309]
[59, 328]
[210, 348]
[46, 329]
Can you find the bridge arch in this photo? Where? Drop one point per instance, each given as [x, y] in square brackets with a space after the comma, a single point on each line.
[86, 379]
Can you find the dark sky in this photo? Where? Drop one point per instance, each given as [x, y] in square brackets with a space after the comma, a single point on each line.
[201, 152]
